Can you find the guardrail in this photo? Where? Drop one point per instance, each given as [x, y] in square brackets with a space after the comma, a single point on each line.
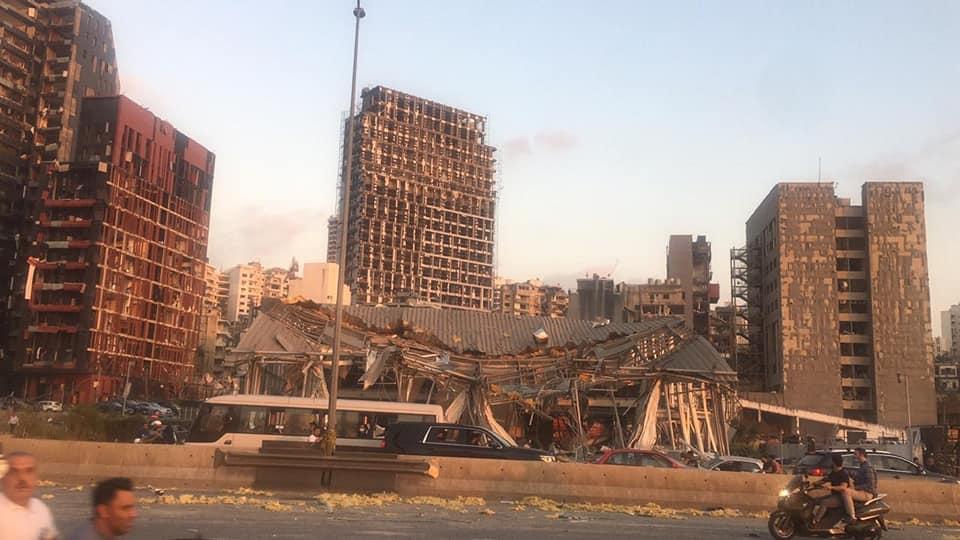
[382, 463]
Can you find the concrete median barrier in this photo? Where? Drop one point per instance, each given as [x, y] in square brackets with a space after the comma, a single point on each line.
[676, 488]
[166, 465]
[198, 467]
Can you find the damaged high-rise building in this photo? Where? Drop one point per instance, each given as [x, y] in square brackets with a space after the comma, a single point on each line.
[52, 55]
[688, 262]
[117, 244]
[422, 204]
[833, 302]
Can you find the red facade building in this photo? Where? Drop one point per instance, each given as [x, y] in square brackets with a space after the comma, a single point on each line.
[115, 278]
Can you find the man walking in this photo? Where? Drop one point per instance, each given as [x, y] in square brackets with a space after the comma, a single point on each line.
[14, 421]
[114, 511]
[23, 517]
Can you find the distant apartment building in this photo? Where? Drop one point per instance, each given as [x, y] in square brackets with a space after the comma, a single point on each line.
[838, 301]
[276, 283]
[596, 299]
[318, 284]
[422, 204]
[215, 292]
[333, 239]
[245, 291]
[532, 298]
[688, 263]
[656, 298]
[115, 269]
[498, 283]
[214, 327]
[52, 55]
[950, 331]
[556, 301]
[948, 376]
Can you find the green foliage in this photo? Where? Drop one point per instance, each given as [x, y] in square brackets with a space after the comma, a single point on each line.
[85, 423]
[81, 423]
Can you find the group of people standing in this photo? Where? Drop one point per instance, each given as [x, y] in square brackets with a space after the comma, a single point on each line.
[25, 517]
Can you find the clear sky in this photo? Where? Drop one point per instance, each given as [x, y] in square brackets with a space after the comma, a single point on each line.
[617, 123]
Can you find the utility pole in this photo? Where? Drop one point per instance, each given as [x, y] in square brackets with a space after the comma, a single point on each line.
[358, 14]
[126, 390]
[902, 377]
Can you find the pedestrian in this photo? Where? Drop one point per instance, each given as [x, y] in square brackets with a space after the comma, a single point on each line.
[114, 511]
[22, 516]
[14, 421]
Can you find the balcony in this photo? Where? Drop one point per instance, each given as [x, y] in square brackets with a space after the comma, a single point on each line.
[66, 286]
[857, 405]
[65, 223]
[55, 308]
[52, 329]
[856, 360]
[66, 265]
[69, 203]
[854, 317]
[68, 244]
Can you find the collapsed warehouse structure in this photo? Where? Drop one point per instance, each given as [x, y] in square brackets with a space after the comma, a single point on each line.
[574, 385]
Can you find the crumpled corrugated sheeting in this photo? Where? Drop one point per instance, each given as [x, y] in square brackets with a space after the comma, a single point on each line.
[494, 334]
[696, 355]
[269, 334]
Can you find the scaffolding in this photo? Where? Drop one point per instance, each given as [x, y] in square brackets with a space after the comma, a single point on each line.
[747, 346]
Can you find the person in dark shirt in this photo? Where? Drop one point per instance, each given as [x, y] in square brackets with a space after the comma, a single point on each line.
[840, 481]
[864, 485]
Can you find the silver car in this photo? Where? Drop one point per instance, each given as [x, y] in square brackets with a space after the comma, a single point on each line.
[50, 406]
[734, 464]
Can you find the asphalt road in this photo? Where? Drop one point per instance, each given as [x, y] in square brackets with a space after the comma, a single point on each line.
[292, 516]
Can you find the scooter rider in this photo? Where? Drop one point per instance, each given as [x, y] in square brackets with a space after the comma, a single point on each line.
[864, 483]
[840, 481]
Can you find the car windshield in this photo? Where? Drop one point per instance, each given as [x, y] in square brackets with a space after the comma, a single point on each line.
[812, 460]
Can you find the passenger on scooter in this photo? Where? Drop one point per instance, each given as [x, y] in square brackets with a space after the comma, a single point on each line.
[840, 481]
[864, 483]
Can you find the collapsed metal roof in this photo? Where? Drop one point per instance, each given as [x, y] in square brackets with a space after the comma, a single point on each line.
[493, 334]
[696, 355]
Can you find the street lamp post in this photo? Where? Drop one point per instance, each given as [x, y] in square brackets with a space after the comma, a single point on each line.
[902, 377]
[358, 14]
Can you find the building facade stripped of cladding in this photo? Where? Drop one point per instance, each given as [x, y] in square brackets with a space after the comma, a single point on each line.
[575, 385]
[115, 279]
[833, 302]
[422, 204]
[52, 54]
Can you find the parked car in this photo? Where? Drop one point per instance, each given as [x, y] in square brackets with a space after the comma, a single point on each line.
[734, 464]
[454, 440]
[171, 406]
[639, 458]
[149, 408]
[116, 407]
[887, 465]
[50, 406]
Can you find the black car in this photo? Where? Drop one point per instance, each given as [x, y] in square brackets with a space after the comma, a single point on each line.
[886, 464]
[454, 440]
